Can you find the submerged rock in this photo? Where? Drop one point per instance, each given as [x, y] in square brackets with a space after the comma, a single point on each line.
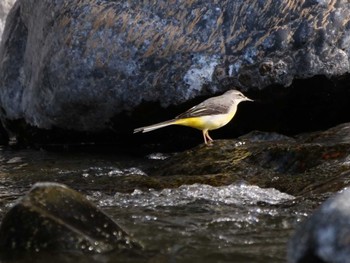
[52, 217]
[325, 236]
[89, 66]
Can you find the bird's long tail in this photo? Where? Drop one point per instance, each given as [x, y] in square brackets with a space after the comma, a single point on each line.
[156, 126]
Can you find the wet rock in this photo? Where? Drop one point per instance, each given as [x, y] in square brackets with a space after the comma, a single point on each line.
[325, 236]
[88, 65]
[52, 217]
[5, 6]
[304, 165]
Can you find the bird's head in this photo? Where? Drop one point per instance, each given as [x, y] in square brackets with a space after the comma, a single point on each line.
[237, 96]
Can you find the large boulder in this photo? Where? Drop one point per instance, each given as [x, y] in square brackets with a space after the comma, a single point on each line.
[91, 66]
[52, 217]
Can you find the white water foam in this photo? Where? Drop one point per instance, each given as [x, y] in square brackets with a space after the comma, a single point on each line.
[236, 194]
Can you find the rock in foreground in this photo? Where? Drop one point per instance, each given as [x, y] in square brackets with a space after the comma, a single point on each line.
[53, 217]
[325, 236]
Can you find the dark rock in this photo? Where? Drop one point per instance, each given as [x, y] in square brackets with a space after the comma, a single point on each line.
[301, 166]
[88, 65]
[325, 236]
[52, 217]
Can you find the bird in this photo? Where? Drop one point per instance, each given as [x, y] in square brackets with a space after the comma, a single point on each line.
[208, 115]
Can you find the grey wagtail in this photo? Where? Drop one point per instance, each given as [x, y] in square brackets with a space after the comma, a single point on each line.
[211, 114]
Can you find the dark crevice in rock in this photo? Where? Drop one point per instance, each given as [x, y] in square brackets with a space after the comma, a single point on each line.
[308, 105]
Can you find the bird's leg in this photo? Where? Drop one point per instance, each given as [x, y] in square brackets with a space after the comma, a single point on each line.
[207, 139]
[210, 139]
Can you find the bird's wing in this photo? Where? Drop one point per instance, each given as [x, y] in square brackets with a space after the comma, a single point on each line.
[208, 107]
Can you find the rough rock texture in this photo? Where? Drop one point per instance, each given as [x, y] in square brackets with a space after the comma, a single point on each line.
[310, 164]
[86, 65]
[5, 6]
[325, 236]
[53, 217]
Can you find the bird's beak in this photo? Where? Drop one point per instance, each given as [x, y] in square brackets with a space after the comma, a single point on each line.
[247, 99]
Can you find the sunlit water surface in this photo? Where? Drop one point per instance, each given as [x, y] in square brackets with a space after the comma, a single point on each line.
[192, 223]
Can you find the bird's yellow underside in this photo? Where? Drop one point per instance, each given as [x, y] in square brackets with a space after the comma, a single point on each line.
[206, 122]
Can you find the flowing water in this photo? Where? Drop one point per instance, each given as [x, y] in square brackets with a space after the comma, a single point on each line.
[191, 223]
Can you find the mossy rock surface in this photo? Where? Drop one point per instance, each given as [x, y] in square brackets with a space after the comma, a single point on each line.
[317, 162]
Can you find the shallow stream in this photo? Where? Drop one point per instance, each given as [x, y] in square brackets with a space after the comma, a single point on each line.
[191, 223]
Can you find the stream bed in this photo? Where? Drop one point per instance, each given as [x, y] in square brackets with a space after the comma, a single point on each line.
[237, 222]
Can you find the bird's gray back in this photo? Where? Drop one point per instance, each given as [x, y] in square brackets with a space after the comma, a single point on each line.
[211, 106]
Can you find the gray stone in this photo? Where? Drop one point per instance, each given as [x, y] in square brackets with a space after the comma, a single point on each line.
[325, 236]
[88, 65]
[52, 217]
[5, 6]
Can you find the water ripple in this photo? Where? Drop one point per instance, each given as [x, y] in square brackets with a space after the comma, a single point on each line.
[237, 194]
